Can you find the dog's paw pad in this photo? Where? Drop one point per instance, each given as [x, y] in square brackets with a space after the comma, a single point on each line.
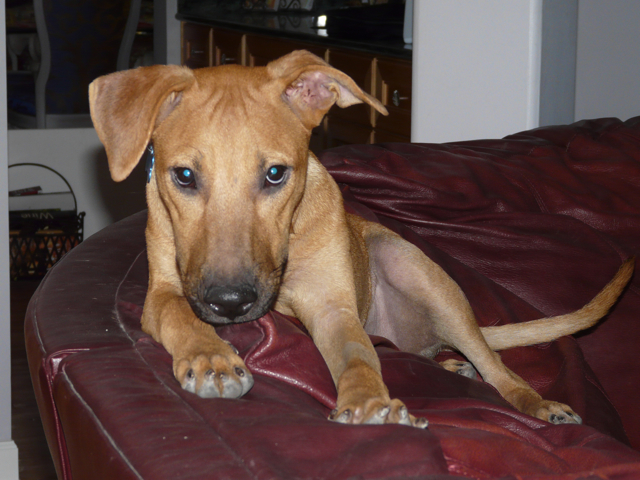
[461, 368]
[377, 411]
[400, 414]
[558, 413]
[421, 422]
[190, 381]
[217, 376]
[341, 417]
[379, 417]
[565, 417]
[222, 384]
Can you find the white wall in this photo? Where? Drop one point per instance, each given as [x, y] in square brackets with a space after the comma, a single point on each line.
[608, 65]
[489, 68]
[78, 155]
[476, 68]
[8, 450]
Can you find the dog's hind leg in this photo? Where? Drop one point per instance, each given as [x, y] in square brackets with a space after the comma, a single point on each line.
[422, 310]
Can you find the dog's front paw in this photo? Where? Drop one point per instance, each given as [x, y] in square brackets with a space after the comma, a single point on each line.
[214, 375]
[557, 413]
[377, 411]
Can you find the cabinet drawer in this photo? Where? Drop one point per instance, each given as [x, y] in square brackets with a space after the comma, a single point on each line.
[381, 136]
[317, 142]
[393, 89]
[359, 67]
[196, 45]
[229, 47]
[261, 50]
[344, 132]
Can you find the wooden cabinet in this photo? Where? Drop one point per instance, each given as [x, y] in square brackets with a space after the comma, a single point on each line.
[386, 78]
[229, 47]
[203, 46]
[196, 45]
[393, 89]
[352, 124]
[261, 50]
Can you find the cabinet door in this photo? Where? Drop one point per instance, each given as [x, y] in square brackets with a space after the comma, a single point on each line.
[393, 89]
[261, 50]
[229, 47]
[197, 45]
[359, 67]
[344, 132]
[317, 142]
[383, 136]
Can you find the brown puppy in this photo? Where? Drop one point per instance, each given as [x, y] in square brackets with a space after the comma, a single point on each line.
[243, 218]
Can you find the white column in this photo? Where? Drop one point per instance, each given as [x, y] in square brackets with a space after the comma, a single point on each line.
[477, 67]
[8, 461]
[608, 65]
[8, 449]
[166, 32]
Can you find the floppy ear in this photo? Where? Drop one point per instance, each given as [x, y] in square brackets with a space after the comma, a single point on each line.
[127, 106]
[311, 87]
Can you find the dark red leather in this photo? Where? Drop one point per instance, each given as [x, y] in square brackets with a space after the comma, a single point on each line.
[531, 225]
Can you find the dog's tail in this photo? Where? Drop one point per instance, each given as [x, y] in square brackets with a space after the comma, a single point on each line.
[548, 329]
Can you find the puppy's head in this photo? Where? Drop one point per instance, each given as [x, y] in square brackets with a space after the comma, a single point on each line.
[231, 152]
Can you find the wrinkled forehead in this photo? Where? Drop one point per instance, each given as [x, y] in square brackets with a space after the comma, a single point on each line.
[235, 109]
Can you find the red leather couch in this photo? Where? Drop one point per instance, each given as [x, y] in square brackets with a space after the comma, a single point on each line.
[530, 225]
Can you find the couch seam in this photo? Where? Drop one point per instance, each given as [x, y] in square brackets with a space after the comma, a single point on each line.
[196, 414]
[239, 459]
[103, 429]
[117, 295]
[63, 452]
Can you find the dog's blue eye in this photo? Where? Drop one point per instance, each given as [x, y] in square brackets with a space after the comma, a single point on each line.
[185, 177]
[276, 174]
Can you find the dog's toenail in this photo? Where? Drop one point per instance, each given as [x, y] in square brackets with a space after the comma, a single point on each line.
[210, 373]
[383, 412]
[239, 372]
[190, 374]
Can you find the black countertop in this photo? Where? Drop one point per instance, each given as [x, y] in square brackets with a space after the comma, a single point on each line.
[293, 25]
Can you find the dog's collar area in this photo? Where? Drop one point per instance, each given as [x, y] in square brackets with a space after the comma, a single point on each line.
[151, 160]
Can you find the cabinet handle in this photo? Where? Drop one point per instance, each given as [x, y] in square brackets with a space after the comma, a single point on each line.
[396, 98]
[194, 52]
[224, 59]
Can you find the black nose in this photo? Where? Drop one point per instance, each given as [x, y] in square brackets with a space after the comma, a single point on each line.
[231, 301]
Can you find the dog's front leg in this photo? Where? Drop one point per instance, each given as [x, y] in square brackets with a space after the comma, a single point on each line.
[203, 363]
[363, 397]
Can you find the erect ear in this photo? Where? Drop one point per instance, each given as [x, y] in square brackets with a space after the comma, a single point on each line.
[311, 87]
[127, 106]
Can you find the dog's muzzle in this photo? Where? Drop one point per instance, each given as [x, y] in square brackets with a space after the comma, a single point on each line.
[220, 301]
